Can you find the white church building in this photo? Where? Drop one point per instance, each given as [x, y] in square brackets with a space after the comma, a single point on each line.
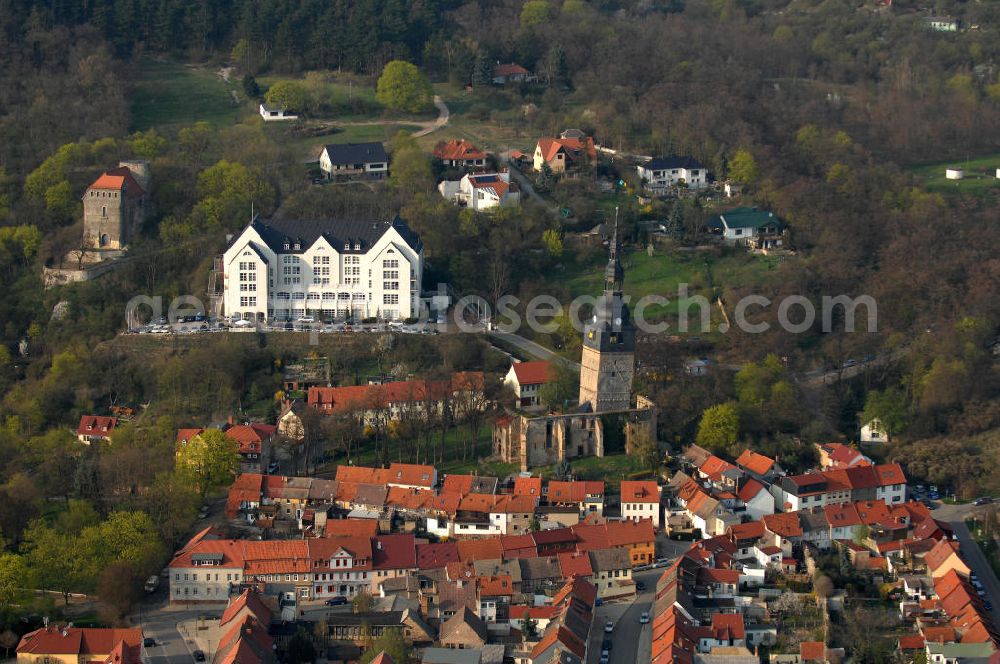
[282, 269]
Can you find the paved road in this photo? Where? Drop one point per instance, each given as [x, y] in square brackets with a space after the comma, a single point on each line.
[160, 622]
[531, 348]
[976, 559]
[631, 641]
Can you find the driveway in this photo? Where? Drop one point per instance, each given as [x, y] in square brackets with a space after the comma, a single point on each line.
[442, 119]
[529, 190]
[534, 350]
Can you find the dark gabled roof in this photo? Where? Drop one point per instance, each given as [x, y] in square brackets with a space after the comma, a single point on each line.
[746, 217]
[355, 153]
[338, 232]
[663, 163]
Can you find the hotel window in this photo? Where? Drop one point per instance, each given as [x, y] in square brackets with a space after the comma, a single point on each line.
[390, 285]
[390, 298]
[390, 263]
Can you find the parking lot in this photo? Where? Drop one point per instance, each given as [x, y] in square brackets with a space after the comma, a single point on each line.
[202, 325]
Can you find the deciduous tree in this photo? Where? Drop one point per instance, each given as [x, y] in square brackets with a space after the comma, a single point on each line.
[403, 87]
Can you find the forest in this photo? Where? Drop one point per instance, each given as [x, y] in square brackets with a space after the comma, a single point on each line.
[832, 102]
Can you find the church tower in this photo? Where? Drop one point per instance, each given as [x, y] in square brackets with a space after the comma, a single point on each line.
[608, 363]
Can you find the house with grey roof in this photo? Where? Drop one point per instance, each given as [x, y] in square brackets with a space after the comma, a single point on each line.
[343, 162]
[749, 227]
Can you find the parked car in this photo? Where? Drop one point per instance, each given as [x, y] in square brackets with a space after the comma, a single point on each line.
[272, 468]
[606, 644]
[199, 656]
[644, 618]
[603, 660]
[987, 605]
[985, 500]
[242, 323]
[609, 627]
[148, 642]
[336, 601]
[640, 586]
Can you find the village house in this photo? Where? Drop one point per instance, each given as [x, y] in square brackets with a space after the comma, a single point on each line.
[641, 500]
[884, 482]
[587, 496]
[563, 154]
[275, 113]
[749, 227]
[459, 154]
[95, 427]
[81, 645]
[378, 404]
[837, 456]
[354, 161]
[662, 173]
[253, 442]
[526, 379]
[282, 269]
[758, 466]
[611, 573]
[481, 192]
[873, 432]
[511, 73]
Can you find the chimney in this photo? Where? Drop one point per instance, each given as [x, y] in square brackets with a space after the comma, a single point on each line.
[231, 420]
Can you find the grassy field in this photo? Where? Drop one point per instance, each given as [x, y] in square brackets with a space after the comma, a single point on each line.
[980, 176]
[483, 116]
[171, 93]
[663, 272]
[311, 146]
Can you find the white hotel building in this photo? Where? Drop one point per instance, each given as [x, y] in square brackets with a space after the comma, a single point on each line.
[280, 268]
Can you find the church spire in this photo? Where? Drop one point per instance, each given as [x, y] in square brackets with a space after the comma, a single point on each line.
[614, 275]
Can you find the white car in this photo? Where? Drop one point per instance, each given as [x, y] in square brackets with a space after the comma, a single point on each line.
[242, 323]
[307, 319]
[609, 626]
[644, 618]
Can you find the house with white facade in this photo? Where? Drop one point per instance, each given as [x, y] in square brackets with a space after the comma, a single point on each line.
[873, 432]
[640, 499]
[283, 269]
[942, 23]
[885, 482]
[749, 227]
[481, 192]
[756, 499]
[526, 379]
[661, 173]
[354, 161]
[272, 113]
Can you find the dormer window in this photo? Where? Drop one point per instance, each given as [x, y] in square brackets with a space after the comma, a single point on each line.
[357, 246]
[287, 246]
[298, 246]
[347, 246]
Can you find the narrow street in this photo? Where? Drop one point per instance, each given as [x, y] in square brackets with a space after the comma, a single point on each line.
[631, 640]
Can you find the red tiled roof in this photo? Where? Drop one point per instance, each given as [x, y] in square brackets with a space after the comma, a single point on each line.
[118, 179]
[96, 426]
[185, 435]
[351, 527]
[785, 524]
[252, 602]
[397, 551]
[412, 474]
[495, 586]
[755, 463]
[437, 555]
[574, 564]
[550, 147]
[510, 69]
[728, 626]
[573, 492]
[640, 491]
[941, 552]
[533, 373]
[362, 475]
[625, 533]
[750, 490]
[382, 658]
[714, 466]
[334, 399]
[458, 150]
[528, 486]
[485, 549]
[251, 437]
[77, 641]
[520, 611]
[715, 575]
[460, 484]
[812, 650]
[747, 531]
